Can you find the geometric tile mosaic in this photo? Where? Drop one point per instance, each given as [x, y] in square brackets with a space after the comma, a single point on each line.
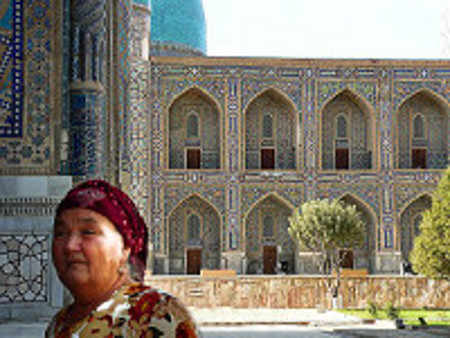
[29, 114]
[23, 268]
[11, 68]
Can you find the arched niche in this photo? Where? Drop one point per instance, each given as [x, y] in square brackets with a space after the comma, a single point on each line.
[271, 132]
[364, 256]
[353, 148]
[269, 250]
[191, 250]
[410, 219]
[194, 132]
[427, 113]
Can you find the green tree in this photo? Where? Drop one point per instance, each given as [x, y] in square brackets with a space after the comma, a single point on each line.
[329, 228]
[431, 252]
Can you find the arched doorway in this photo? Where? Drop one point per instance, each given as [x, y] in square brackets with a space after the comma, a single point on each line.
[422, 133]
[194, 132]
[362, 258]
[270, 133]
[410, 220]
[347, 137]
[269, 248]
[194, 237]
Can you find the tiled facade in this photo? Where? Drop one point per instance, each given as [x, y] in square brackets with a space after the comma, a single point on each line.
[216, 152]
[376, 103]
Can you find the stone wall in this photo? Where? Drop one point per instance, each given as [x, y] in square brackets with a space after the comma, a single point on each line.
[304, 291]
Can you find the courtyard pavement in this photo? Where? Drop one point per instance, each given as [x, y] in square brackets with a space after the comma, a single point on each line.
[222, 321]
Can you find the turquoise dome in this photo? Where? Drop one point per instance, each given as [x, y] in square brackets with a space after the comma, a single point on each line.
[178, 27]
[142, 2]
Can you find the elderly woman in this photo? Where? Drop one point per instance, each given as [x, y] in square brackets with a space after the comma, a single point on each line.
[99, 251]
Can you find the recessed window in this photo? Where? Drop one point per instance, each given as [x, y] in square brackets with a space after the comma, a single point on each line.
[341, 126]
[192, 126]
[419, 127]
[267, 127]
[193, 229]
[268, 226]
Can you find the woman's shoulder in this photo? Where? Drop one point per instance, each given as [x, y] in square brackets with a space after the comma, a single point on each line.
[138, 292]
[55, 322]
[159, 310]
[143, 297]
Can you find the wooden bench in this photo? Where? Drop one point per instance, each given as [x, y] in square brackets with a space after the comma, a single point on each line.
[226, 273]
[352, 272]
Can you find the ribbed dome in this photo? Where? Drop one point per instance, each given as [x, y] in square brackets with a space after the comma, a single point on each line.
[178, 27]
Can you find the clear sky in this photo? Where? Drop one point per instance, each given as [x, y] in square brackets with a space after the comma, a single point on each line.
[326, 28]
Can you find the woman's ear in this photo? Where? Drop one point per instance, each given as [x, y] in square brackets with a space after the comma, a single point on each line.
[125, 254]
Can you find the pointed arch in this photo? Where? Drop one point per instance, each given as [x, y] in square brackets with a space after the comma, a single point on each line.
[204, 151]
[179, 247]
[358, 149]
[364, 255]
[430, 94]
[193, 195]
[361, 202]
[274, 194]
[431, 150]
[202, 92]
[271, 91]
[407, 222]
[413, 199]
[279, 151]
[263, 249]
[355, 96]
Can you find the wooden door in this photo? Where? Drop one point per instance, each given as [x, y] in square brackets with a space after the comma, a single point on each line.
[342, 158]
[267, 158]
[193, 158]
[270, 260]
[347, 259]
[194, 261]
[419, 158]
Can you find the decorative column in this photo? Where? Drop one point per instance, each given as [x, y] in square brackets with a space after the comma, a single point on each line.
[310, 140]
[387, 259]
[234, 253]
[139, 122]
[87, 145]
[310, 150]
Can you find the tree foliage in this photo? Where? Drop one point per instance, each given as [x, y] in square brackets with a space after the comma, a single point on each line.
[327, 227]
[431, 252]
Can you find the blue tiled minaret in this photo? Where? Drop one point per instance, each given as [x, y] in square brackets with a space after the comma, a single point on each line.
[88, 52]
[99, 77]
[178, 28]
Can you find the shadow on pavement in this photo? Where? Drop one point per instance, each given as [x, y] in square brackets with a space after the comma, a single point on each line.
[431, 331]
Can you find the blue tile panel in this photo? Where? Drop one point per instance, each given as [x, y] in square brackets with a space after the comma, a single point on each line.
[88, 135]
[179, 22]
[11, 68]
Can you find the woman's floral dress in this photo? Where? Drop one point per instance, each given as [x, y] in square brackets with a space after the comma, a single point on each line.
[135, 310]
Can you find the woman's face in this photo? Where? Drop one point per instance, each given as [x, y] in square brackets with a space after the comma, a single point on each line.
[88, 251]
